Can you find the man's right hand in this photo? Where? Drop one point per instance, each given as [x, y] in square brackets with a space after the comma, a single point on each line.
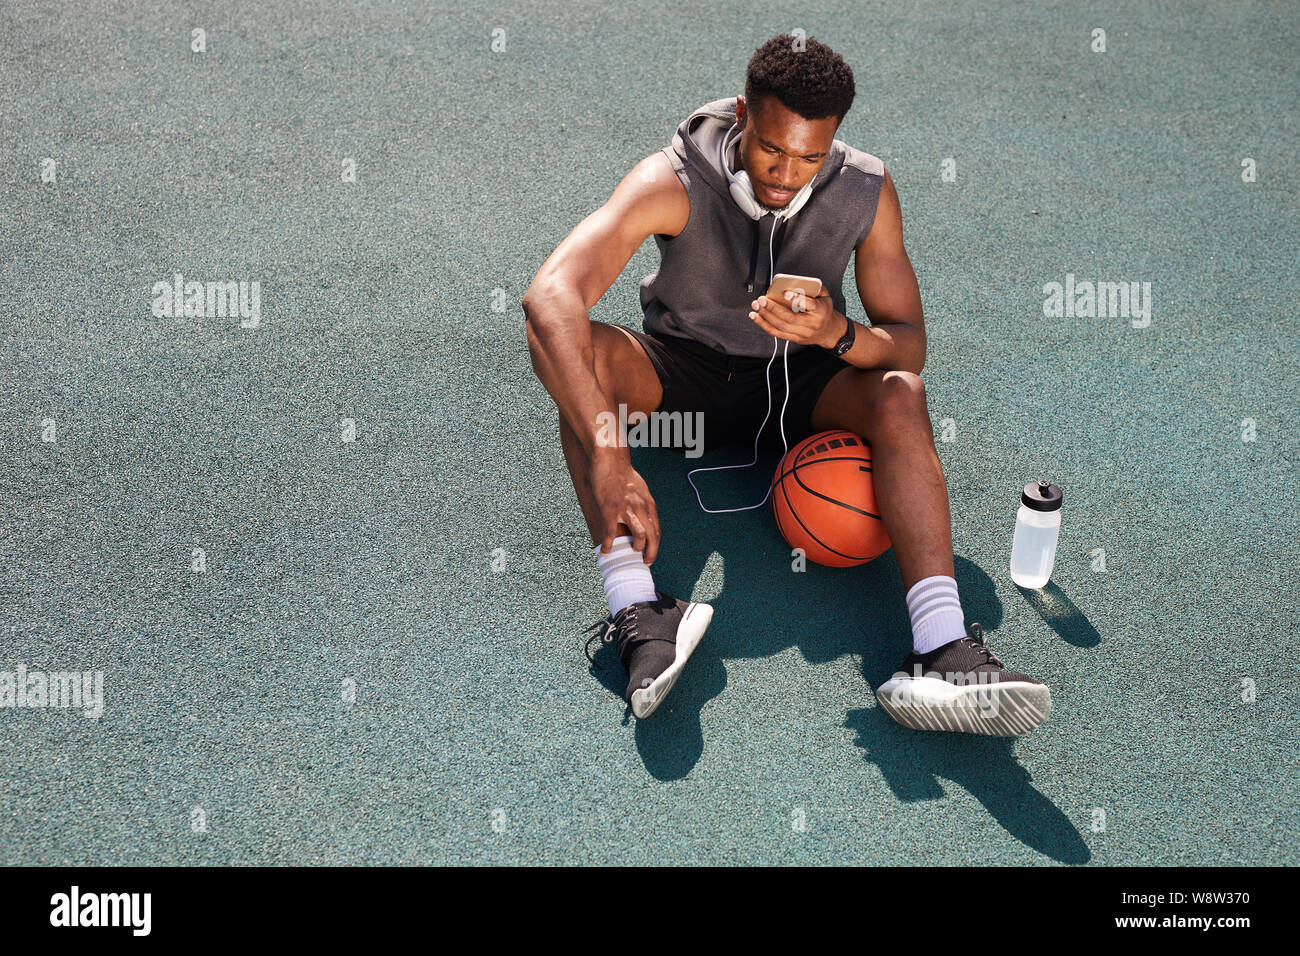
[623, 498]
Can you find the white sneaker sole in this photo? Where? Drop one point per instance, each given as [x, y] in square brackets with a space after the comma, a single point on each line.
[695, 621]
[997, 710]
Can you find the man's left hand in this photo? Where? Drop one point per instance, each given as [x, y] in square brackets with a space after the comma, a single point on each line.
[800, 319]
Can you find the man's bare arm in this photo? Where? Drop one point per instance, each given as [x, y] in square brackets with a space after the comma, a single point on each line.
[890, 294]
[649, 200]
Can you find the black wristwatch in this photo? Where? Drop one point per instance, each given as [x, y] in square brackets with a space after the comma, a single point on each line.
[846, 343]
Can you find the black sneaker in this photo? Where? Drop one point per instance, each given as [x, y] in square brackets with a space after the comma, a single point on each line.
[655, 639]
[963, 687]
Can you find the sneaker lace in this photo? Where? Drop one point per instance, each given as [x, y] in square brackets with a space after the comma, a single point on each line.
[624, 621]
[976, 640]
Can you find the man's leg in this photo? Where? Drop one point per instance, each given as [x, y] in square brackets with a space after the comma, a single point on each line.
[626, 375]
[950, 681]
[888, 409]
[655, 632]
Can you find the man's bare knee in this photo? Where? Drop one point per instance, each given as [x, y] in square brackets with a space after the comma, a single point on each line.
[623, 370]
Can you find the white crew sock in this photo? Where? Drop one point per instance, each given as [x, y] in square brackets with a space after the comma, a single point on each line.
[936, 613]
[627, 576]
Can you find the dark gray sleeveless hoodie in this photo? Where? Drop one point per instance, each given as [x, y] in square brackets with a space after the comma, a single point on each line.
[714, 268]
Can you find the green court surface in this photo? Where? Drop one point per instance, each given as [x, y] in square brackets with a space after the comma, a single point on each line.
[359, 675]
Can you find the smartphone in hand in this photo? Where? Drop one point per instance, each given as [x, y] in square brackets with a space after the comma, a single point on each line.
[809, 285]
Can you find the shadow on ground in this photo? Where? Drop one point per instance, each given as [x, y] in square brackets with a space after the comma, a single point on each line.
[1061, 615]
[764, 607]
[912, 762]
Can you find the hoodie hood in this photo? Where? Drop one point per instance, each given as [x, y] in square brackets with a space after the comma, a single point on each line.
[698, 141]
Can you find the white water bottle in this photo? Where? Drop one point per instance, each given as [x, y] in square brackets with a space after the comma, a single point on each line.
[1038, 523]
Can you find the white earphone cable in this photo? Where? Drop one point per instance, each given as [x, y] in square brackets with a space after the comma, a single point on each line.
[785, 447]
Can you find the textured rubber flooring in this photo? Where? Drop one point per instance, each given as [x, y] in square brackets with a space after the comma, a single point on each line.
[359, 675]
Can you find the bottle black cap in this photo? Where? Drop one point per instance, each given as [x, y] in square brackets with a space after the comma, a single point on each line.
[1042, 496]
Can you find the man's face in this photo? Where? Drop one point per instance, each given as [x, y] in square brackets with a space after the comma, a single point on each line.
[780, 150]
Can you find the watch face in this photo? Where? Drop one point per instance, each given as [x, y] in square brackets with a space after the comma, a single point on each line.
[845, 343]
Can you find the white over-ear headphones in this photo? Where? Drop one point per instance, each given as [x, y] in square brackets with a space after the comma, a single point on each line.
[742, 190]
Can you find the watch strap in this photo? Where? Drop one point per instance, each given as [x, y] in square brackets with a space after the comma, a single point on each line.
[846, 342]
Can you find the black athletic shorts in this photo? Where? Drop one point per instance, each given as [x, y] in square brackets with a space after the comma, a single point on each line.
[730, 389]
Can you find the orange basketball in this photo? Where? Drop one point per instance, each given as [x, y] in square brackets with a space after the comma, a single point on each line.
[824, 501]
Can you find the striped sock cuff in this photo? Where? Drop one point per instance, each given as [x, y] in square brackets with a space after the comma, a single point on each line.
[935, 610]
[627, 577]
